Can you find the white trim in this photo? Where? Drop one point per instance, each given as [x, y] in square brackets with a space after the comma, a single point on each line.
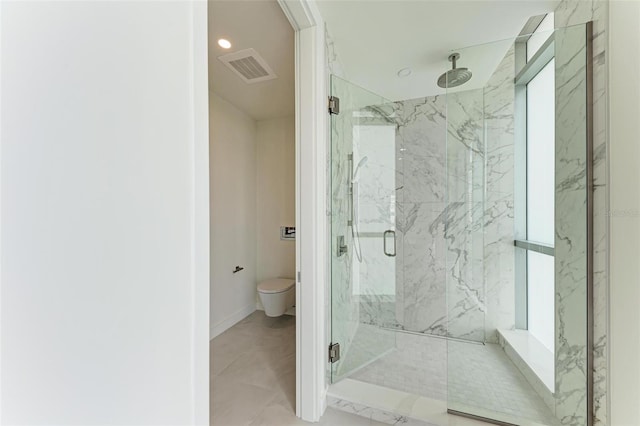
[311, 205]
[301, 13]
[200, 219]
[323, 401]
[222, 326]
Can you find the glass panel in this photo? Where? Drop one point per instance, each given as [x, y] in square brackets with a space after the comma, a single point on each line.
[421, 307]
[363, 211]
[540, 279]
[541, 155]
[464, 235]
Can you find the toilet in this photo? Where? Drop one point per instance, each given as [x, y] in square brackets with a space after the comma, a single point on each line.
[277, 295]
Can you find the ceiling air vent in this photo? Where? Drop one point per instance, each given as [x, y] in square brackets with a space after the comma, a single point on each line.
[248, 65]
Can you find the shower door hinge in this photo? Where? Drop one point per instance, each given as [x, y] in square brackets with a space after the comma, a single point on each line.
[334, 352]
[334, 105]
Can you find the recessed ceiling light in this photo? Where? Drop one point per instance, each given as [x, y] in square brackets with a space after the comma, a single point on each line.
[404, 72]
[225, 44]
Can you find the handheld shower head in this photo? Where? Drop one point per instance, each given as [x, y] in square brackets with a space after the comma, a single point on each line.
[361, 163]
[455, 76]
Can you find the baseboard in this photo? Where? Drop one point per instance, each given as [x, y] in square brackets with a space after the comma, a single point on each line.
[323, 401]
[230, 321]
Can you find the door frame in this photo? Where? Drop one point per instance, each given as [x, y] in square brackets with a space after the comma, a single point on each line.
[311, 206]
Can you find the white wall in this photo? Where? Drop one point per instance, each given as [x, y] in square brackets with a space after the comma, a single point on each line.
[624, 69]
[233, 214]
[312, 244]
[104, 287]
[276, 202]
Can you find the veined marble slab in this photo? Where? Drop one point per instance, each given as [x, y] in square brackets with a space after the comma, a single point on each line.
[571, 227]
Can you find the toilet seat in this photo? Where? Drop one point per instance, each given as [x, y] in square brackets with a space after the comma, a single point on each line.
[276, 285]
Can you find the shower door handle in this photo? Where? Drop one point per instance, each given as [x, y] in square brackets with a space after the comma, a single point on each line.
[384, 243]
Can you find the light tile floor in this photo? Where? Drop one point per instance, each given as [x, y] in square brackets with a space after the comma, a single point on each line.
[253, 370]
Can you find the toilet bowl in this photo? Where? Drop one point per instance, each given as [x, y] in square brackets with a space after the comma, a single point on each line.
[277, 295]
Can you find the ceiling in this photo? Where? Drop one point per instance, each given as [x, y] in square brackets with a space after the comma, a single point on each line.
[260, 25]
[373, 40]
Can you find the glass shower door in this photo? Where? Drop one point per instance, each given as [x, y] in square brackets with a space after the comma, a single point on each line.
[364, 241]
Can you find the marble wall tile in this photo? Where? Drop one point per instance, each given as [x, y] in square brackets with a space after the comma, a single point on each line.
[422, 130]
[573, 12]
[424, 294]
[571, 225]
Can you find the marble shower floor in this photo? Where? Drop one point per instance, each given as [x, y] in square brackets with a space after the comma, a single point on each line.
[476, 375]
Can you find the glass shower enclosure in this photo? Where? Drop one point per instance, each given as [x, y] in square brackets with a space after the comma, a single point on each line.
[431, 236]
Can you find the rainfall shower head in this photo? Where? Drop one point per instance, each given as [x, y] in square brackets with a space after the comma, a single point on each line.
[455, 76]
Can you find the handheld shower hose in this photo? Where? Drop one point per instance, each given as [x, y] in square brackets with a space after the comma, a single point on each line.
[353, 186]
